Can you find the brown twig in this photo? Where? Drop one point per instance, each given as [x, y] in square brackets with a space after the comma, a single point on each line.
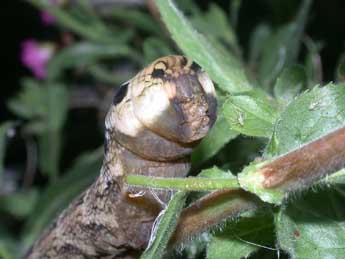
[211, 210]
[308, 164]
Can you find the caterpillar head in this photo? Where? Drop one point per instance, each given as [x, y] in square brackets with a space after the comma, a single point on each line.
[164, 110]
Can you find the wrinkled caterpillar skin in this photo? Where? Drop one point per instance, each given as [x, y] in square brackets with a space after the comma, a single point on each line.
[151, 128]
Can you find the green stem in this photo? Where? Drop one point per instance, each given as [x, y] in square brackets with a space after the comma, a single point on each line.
[184, 184]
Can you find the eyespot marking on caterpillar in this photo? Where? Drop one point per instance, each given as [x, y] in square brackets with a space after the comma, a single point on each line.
[161, 65]
[184, 61]
[195, 67]
[158, 73]
[120, 93]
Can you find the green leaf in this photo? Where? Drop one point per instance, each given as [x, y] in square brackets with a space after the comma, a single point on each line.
[45, 105]
[219, 135]
[258, 40]
[49, 144]
[166, 227]
[289, 83]
[252, 114]
[138, 19]
[313, 226]
[215, 26]
[313, 114]
[108, 75]
[29, 103]
[235, 7]
[56, 102]
[85, 25]
[56, 105]
[4, 127]
[215, 172]
[222, 68]
[240, 238]
[8, 249]
[19, 204]
[52, 200]
[283, 47]
[84, 53]
[46, 102]
[154, 48]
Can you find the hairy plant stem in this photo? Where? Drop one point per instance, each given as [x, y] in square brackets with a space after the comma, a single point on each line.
[211, 210]
[183, 184]
[306, 165]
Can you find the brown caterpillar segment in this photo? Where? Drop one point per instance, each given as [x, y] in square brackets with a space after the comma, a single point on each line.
[154, 122]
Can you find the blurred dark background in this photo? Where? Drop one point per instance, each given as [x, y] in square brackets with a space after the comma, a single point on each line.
[326, 24]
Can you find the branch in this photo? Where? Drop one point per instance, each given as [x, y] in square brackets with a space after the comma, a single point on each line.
[211, 210]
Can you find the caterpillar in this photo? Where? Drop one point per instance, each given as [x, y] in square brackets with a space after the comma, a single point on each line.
[151, 128]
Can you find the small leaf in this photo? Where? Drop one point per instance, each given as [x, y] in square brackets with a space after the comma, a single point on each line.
[29, 103]
[165, 228]
[138, 19]
[313, 226]
[258, 40]
[313, 114]
[19, 204]
[227, 72]
[84, 53]
[46, 102]
[240, 238]
[252, 114]
[215, 172]
[85, 25]
[283, 47]
[214, 24]
[110, 76]
[289, 83]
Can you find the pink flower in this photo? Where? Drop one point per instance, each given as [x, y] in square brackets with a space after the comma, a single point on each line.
[46, 17]
[35, 56]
